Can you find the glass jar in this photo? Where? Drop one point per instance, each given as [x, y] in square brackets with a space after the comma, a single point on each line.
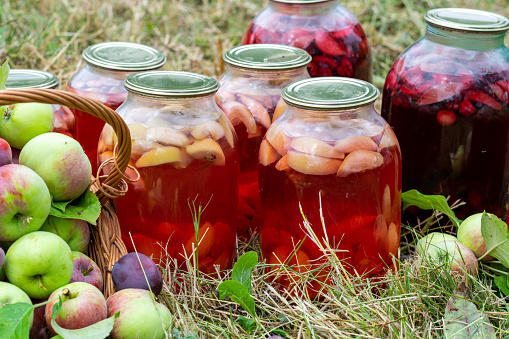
[252, 85]
[330, 33]
[102, 78]
[446, 97]
[331, 158]
[186, 154]
[63, 118]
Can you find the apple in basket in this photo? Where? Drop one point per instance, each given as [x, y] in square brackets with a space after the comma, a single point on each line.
[75, 232]
[86, 270]
[11, 294]
[5, 153]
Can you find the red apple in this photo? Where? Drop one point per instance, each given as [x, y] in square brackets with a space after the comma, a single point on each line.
[86, 270]
[5, 153]
[83, 305]
[75, 232]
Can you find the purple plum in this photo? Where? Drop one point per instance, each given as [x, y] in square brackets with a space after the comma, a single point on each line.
[127, 273]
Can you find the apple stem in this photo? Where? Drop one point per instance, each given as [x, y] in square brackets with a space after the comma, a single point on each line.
[8, 112]
[39, 279]
[90, 269]
[25, 220]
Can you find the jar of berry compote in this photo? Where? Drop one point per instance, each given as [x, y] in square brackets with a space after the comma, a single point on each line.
[332, 155]
[446, 97]
[185, 151]
[250, 95]
[330, 33]
[63, 118]
[102, 78]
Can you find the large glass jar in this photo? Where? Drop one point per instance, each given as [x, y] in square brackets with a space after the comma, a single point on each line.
[186, 154]
[102, 78]
[250, 95]
[331, 158]
[330, 33]
[446, 97]
[63, 119]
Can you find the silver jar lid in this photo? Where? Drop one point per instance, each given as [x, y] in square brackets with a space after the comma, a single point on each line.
[124, 56]
[467, 20]
[170, 84]
[31, 78]
[330, 93]
[267, 57]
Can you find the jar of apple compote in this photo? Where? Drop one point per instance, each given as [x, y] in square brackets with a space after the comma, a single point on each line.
[250, 95]
[331, 159]
[102, 78]
[185, 151]
[446, 97]
[330, 33]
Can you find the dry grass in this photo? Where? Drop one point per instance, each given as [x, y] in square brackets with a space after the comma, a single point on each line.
[50, 35]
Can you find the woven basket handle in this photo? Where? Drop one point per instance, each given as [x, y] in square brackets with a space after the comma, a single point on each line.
[90, 106]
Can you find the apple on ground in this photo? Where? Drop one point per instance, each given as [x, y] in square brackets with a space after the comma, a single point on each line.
[39, 263]
[5, 153]
[11, 294]
[86, 270]
[460, 257]
[75, 232]
[25, 201]
[83, 305]
[61, 163]
[23, 122]
[469, 234]
[127, 273]
[431, 239]
[38, 329]
[140, 316]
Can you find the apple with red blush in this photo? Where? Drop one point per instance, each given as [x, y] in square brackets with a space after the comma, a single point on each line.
[5, 153]
[86, 270]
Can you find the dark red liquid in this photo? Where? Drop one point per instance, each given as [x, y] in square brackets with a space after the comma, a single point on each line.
[452, 122]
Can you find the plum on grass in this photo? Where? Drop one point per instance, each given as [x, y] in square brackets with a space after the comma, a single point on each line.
[127, 273]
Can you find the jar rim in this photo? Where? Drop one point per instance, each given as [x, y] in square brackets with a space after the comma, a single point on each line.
[330, 93]
[267, 57]
[170, 84]
[123, 56]
[467, 20]
[31, 78]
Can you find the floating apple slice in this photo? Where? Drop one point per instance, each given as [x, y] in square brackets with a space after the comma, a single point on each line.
[357, 142]
[392, 241]
[137, 130]
[207, 129]
[360, 161]
[208, 150]
[186, 160]
[280, 107]
[259, 95]
[388, 138]
[387, 203]
[282, 164]
[224, 95]
[259, 112]
[237, 112]
[158, 122]
[278, 139]
[105, 156]
[227, 129]
[142, 146]
[312, 164]
[167, 136]
[316, 147]
[267, 153]
[159, 156]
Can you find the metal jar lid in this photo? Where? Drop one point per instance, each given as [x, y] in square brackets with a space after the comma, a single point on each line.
[170, 84]
[300, 1]
[124, 56]
[31, 78]
[267, 57]
[330, 93]
[467, 20]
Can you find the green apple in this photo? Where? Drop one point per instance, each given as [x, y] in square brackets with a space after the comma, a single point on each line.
[25, 202]
[140, 316]
[39, 263]
[75, 232]
[11, 294]
[460, 257]
[469, 234]
[61, 163]
[19, 123]
[431, 239]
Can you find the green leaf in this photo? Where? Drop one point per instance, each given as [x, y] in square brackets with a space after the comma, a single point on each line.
[243, 269]
[15, 320]
[248, 324]
[463, 320]
[280, 332]
[99, 330]
[57, 307]
[496, 236]
[4, 74]
[428, 202]
[238, 293]
[86, 207]
[502, 282]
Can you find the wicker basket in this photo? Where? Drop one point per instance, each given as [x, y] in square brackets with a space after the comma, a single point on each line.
[106, 245]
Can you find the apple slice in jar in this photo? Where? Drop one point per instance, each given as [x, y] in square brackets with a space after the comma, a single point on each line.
[237, 113]
[360, 161]
[167, 136]
[278, 139]
[282, 164]
[280, 107]
[312, 164]
[392, 241]
[316, 147]
[267, 153]
[208, 150]
[257, 110]
[142, 146]
[227, 129]
[354, 143]
[224, 95]
[207, 129]
[137, 130]
[388, 139]
[159, 156]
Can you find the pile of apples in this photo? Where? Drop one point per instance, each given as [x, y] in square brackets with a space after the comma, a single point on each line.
[42, 257]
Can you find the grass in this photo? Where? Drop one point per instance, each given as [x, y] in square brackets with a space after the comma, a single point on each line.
[50, 35]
